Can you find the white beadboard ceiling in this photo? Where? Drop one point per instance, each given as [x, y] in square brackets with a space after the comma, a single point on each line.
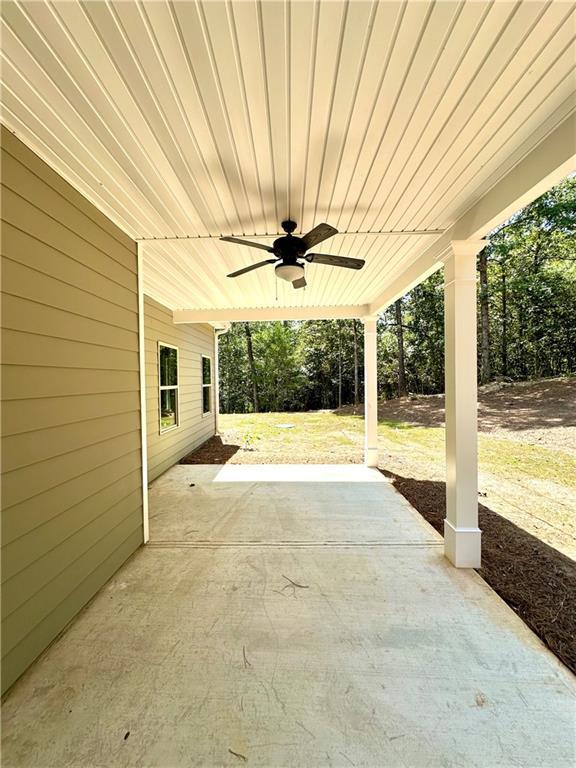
[196, 119]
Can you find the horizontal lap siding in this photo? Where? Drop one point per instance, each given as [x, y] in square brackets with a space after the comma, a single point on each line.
[71, 454]
[192, 341]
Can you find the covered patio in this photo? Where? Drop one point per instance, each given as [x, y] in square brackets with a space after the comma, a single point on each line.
[299, 616]
[291, 616]
[411, 128]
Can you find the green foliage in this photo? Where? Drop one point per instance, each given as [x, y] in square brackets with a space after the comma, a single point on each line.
[532, 288]
[298, 365]
[531, 298]
[249, 440]
[423, 322]
[234, 373]
[279, 366]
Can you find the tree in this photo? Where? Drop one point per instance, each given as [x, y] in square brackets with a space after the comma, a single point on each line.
[485, 372]
[252, 364]
[531, 276]
[356, 377]
[402, 391]
[339, 364]
[527, 322]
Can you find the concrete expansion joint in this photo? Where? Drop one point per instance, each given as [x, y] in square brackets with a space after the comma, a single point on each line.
[288, 544]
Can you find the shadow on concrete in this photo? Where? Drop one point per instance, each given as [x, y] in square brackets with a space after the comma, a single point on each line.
[213, 451]
[537, 581]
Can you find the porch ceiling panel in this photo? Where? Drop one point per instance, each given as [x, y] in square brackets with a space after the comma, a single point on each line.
[197, 119]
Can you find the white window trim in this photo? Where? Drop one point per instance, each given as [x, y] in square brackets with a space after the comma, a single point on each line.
[205, 386]
[177, 388]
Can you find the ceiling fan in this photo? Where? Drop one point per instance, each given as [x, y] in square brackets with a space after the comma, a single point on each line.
[289, 251]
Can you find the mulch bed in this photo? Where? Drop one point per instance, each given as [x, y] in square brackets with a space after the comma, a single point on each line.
[213, 451]
[537, 581]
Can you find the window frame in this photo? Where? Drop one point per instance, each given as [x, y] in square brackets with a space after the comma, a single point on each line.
[161, 387]
[206, 386]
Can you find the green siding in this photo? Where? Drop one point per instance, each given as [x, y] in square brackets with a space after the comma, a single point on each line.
[71, 454]
[193, 341]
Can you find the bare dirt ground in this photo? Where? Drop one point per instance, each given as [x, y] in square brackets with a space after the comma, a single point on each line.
[539, 413]
[527, 481]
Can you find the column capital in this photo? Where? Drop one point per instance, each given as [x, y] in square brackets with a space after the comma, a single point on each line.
[466, 247]
[460, 261]
[369, 319]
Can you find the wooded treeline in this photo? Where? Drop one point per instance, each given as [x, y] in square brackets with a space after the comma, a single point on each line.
[526, 327]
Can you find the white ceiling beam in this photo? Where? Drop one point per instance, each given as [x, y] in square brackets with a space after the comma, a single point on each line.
[269, 313]
[424, 266]
[389, 232]
[547, 164]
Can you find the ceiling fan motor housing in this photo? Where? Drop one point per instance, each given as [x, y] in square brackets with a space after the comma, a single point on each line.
[289, 248]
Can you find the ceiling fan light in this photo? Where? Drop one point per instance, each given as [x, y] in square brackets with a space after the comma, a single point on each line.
[289, 272]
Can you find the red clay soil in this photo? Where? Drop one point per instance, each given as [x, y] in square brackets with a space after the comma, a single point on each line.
[537, 581]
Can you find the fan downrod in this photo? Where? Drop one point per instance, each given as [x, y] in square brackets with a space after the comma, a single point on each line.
[289, 226]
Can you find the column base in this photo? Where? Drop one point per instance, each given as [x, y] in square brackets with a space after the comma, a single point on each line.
[371, 457]
[462, 545]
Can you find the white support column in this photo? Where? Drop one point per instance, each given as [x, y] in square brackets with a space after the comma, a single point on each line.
[142, 366]
[217, 333]
[370, 391]
[461, 532]
[216, 385]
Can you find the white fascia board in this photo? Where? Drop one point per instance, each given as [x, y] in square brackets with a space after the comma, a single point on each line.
[421, 268]
[548, 163]
[220, 326]
[219, 316]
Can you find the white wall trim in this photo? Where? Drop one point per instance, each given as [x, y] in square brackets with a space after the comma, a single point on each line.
[269, 313]
[159, 345]
[205, 414]
[142, 374]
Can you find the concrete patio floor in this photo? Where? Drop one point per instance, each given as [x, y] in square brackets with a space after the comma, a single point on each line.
[291, 616]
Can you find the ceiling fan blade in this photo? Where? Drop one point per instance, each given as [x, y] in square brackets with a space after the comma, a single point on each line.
[300, 283]
[334, 261]
[247, 242]
[318, 234]
[251, 267]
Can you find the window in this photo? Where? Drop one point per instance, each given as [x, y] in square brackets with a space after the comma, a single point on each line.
[168, 382]
[206, 384]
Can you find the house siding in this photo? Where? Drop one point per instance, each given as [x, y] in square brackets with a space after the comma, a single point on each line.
[192, 341]
[71, 451]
